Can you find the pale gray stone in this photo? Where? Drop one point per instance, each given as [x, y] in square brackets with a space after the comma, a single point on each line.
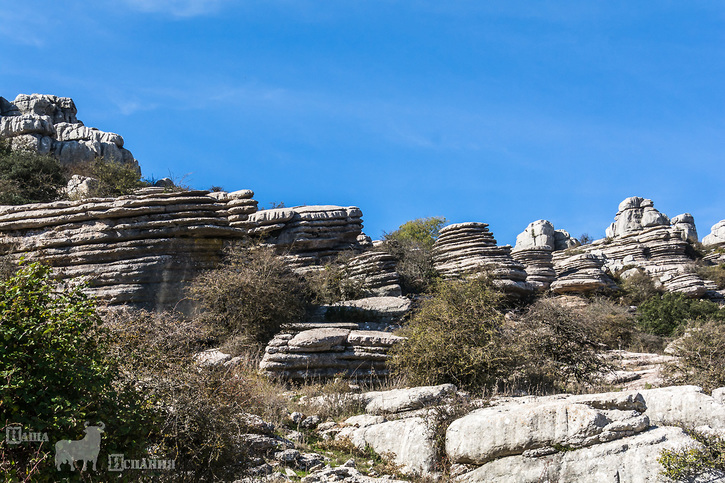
[410, 441]
[495, 432]
[632, 459]
[399, 400]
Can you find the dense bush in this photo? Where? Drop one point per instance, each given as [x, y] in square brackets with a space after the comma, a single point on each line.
[423, 231]
[411, 245]
[716, 273]
[28, 177]
[666, 314]
[460, 335]
[333, 283]
[56, 374]
[456, 336]
[557, 343]
[251, 295]
[203, 411]
[638, 288]
[700, 356]
[114, 179]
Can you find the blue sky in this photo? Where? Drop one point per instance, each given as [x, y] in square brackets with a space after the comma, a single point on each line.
[503, 112]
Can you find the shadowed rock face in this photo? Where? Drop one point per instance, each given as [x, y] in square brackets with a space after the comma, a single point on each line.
[48, 124]
[138, 249]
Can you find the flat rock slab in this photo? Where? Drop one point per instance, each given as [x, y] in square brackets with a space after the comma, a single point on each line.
[319, 339]
[399, 400]
[495, 432]
[632, 460]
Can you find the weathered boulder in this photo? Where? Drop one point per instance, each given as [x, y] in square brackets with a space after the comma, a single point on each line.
[400, 400]
[375, 270]
[609, 437]
[539, 233]
[685, 224]
[534, 248]
[48, 125]
[580, 273]
[642, 238]
[80, 187]
[308, 236]
[385, 308]
[635, 214]
[410, 441]
[469, 249]
[716, 236]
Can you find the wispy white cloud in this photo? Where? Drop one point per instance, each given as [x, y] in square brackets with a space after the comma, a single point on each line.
[179, 8]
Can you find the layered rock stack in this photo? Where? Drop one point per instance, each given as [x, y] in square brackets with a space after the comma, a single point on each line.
[48, 125]
[308, 236]
[640, 237]
[375, 270]
[580, 273]
[468, 249]
[534, 248]
[327, 352]
[138, 249]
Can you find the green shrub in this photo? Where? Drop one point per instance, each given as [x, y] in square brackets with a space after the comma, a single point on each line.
[459, 335]
[411, 245]
[706, 458]
[558, 344]
[29, 177]
[665, 315]
[715, 273]
[333, 283]
[455, 337]
[423, 231]
[251, 295]
[700, 356]
[55, 374]
[114, 179]
[638, 288]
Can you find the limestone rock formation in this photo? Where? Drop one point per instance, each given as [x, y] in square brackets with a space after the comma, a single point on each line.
[716, 236]
[685, 223]
[467, 249]
[641, 237]
[308, 236]
[580, 273]
[325, 352]
[48, 124]
[608, 437]
[635, 214]
[375, 270]
[138, 249]
[534, 248]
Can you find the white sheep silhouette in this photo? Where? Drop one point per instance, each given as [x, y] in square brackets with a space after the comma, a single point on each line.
[86, 449]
